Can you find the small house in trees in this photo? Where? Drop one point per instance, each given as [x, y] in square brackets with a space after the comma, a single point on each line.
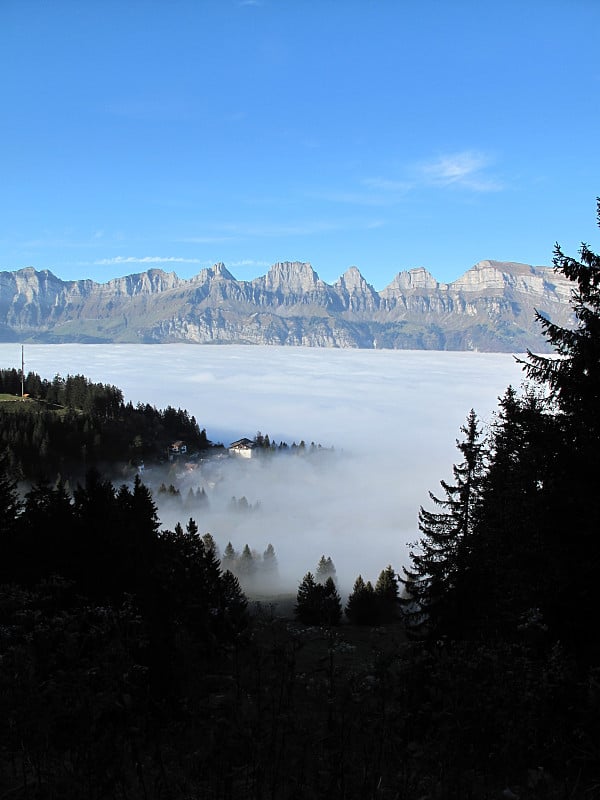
[176, 449]
[242, 447]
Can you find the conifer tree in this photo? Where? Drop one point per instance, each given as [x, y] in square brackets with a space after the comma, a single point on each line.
[230, 557]
[506, 566]
[361, 608]
[332, 604]
[246, 565]
[386, 590]
[573, 382]
[269, 567]
[234, 605]
[438, 557]
[325, 569]
[191, 527]
[210, 545]
[574, 379]
[308, 601]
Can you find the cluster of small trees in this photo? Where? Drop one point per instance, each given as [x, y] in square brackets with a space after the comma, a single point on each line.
[368, 605]
[242, 506]
[264, 442]
[250, 566]
[194, 501]
[318, 601]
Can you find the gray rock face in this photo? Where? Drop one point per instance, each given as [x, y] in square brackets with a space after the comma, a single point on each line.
[490, 308]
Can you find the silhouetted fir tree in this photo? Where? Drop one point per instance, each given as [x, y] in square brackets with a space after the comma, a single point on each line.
[308, 601]
[362, 607]
[386, 591]
[233, 602]
[438, 594]
[331, 603]
[573, 381]
[514, 526]
[574, 378]
[191, 527]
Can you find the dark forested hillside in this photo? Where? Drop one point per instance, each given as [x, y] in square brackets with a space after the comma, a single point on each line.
[67, 425]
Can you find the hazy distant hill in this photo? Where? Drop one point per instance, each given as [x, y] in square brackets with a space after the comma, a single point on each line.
[490, 308]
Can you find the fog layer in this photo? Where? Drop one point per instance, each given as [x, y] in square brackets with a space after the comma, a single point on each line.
[392, 418]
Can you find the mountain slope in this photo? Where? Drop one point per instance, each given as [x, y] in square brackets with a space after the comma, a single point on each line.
[490, 308]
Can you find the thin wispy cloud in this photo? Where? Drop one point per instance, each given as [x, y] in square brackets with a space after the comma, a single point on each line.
[146, 260]
[249, 262]
[467, 170]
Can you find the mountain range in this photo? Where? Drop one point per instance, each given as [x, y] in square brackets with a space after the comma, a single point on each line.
[489, 308]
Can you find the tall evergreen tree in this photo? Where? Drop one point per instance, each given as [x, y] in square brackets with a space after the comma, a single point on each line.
[308, 600]
[573, 382]
[508, 566]
[574, 378]
[435, 594]
[386, 590]
[332, 604]
[362, 608]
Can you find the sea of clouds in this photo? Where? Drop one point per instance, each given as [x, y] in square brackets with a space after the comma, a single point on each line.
[391, 416]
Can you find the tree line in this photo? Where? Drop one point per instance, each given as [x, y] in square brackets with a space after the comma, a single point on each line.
[318, 601]
[68, 425]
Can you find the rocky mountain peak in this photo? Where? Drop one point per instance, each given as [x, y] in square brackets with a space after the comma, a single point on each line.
[351, 280]
[410, 281]
[292, 276]
[150, 282]
[219, 270]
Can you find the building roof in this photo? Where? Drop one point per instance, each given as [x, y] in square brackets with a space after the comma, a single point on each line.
[243, 444]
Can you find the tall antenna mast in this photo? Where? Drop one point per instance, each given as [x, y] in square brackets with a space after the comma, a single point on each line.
[22, 372]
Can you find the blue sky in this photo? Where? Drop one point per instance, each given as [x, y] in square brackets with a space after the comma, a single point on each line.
[385, 135]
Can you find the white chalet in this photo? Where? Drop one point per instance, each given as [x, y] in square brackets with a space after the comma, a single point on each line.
[243, 447]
